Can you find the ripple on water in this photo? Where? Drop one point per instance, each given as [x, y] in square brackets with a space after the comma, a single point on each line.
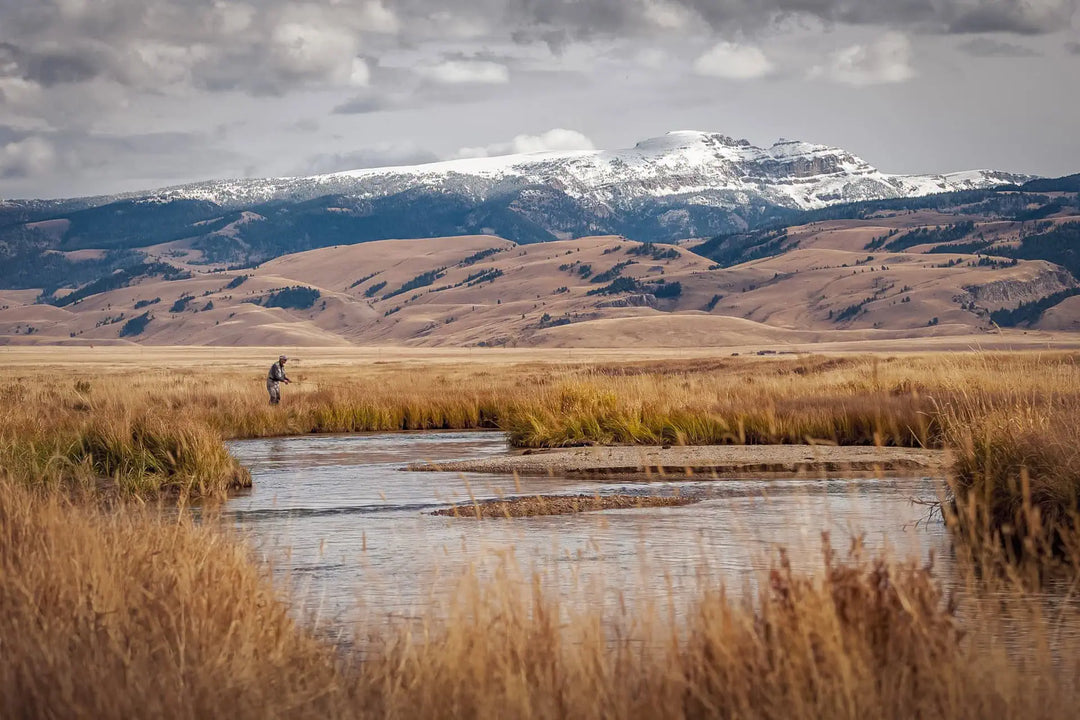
[350, 529]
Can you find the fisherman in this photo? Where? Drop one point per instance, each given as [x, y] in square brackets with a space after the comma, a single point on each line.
[275, 378]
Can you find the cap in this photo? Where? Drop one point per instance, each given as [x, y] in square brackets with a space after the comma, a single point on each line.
[282, 357]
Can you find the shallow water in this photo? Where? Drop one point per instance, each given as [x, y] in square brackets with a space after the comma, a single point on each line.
[352, 531]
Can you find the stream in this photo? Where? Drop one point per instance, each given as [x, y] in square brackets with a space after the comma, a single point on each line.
[338, 518]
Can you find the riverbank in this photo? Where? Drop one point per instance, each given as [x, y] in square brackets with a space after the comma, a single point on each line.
[147, 433]
[716, 461]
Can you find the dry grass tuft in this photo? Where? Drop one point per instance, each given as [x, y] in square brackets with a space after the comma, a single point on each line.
[562, 505]
[128, 614]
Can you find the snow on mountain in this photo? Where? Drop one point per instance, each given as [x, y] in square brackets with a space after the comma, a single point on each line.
[697, 167]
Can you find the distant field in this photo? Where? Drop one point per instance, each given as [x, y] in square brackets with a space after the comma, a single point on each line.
[191, 358]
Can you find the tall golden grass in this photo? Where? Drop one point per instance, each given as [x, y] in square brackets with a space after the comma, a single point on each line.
[133, 613]
[1004, 416]
[130, 611]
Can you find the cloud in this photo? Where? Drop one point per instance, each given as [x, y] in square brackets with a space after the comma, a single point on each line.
[460, 72]
[47, 67]
[148, 45]
[269, 47]
[886, 60]
[382, 155]
[405, 91]
[989, 47]
[733, 62]
[668, 14]
[105, 162]
[1024, 17]
[588, 18]
[28, 157]
[1072, 47]
[555, 140]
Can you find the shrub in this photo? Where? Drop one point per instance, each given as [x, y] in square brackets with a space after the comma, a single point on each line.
[422, 280]
[181, 304]
[136, 325]
[374, 289]
[297, 297]
[668, 290]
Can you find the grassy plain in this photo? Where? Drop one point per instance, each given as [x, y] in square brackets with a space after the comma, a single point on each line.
[117, 610]
[162, 425]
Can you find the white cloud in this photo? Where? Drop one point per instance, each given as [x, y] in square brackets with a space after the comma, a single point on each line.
[668, 15]
[28, 157]
[458, 72]
[557, 139]
[886, 60]
[361, 73]
[733, 62]
[311, 50]
[376, 17]
[232, 17]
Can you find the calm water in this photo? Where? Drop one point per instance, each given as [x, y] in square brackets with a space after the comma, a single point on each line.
[352, 531]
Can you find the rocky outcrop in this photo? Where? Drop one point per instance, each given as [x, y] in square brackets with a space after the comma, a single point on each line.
[1010, 293]
[642, 300]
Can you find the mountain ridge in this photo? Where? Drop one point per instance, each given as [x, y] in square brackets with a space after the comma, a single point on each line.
[962, 265]
[698, 149]
[679, 186]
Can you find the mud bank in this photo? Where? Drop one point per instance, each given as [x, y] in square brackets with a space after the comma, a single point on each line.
[717, 461]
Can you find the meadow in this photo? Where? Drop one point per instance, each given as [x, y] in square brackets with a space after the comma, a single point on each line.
[113, 608]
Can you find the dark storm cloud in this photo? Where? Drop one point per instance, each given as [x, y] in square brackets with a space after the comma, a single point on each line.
[266, 46]
[531, 19]
[47, 68]
[271, 45]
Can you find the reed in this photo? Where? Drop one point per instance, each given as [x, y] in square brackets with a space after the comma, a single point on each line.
[135, 613]
[129, 613]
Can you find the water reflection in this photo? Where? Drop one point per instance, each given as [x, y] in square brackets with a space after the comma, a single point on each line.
[351, 530]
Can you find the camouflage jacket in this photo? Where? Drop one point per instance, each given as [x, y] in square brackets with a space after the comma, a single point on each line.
[277, 373]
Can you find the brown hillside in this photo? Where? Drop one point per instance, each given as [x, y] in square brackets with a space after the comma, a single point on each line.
[482, 290]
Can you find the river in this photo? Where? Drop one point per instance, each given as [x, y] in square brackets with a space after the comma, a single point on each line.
[338, 518]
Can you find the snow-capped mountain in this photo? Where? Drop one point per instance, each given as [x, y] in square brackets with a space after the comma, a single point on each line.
[680, 186]
[699, 167]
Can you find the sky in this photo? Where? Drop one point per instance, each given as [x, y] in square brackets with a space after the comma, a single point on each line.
[104, 96]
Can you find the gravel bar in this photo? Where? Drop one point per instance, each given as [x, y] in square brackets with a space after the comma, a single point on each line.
[708, 460]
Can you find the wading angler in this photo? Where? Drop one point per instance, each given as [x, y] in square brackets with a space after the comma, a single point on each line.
[275, 378]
